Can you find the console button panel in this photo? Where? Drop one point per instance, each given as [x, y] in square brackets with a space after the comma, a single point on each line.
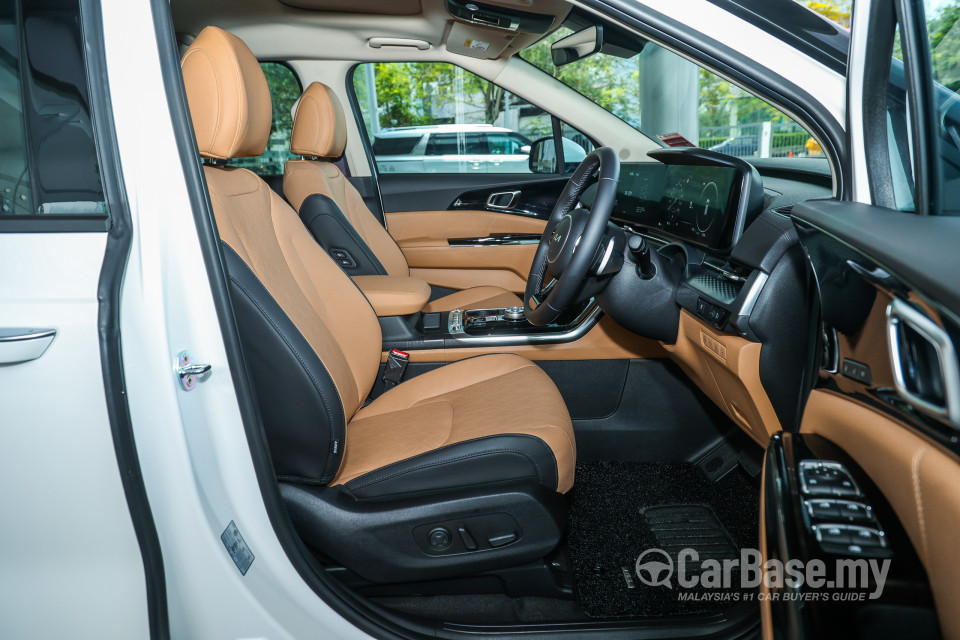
[836, 512]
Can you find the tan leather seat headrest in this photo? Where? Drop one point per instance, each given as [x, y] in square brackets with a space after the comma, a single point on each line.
[228, 96]
[319, 126]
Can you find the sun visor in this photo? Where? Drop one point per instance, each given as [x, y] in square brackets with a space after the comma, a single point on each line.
[477, 42]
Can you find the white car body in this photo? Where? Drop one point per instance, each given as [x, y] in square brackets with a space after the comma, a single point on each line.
[75, 565]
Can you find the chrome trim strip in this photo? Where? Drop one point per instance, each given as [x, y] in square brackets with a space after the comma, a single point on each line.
[496, 241]
[514, 196]
[752, 294]
[579, 328]
[606, 256]
[899, 311]
[18, 335]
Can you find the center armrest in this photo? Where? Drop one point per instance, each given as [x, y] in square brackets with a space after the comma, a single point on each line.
[394, 295]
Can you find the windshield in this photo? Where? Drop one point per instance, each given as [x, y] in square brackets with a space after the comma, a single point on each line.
[674, 101]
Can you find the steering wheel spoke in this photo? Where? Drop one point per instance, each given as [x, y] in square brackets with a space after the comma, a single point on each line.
[571, 239]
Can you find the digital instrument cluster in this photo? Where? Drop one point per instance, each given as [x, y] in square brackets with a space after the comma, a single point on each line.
[694, 203]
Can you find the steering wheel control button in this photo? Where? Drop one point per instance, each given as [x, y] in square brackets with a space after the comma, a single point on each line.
[502, 540]
[439, 539]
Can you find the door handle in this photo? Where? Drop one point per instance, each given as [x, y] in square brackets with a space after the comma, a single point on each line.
[23, 344]
[503, 200]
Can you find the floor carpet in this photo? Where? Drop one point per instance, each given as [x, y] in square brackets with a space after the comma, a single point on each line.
[619, 510]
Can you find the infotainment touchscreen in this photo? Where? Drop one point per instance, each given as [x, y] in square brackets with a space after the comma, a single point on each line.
[695, 203]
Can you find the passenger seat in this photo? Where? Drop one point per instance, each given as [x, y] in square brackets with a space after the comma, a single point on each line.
[319, 135]
[484, 445]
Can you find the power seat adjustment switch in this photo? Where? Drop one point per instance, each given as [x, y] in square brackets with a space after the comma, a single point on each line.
[439, 539]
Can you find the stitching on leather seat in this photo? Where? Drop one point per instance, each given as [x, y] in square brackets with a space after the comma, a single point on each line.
[353, 484]
[480, 454]
[326, 406]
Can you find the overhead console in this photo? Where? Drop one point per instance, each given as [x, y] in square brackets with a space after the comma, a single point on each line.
[491, 15]
[486, 29]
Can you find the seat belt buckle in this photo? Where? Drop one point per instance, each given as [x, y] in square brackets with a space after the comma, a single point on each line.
[396, 365]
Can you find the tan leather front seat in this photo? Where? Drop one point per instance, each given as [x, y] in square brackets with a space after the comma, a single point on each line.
[320, 132]
[313, 343]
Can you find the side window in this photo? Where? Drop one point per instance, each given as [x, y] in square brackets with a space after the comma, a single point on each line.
[943, 42]
[435, 117]
[48, 156]
[285, 90]
[900, 154]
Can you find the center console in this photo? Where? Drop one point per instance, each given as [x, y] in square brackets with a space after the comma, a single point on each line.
[488, 327]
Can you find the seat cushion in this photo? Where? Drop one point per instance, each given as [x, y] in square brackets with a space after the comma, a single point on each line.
[489, 419]
[475, 298]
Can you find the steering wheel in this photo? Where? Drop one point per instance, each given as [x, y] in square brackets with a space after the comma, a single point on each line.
[571, 240]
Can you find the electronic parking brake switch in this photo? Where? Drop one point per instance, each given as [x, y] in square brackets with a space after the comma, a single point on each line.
[396, 364]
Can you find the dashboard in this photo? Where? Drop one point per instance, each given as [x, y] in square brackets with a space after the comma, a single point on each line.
[696, 196]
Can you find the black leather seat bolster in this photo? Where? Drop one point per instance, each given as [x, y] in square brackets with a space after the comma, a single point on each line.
[472, 463]
[332, 231]
[301, 410]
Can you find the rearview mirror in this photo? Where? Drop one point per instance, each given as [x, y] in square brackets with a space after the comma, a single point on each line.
[577, 46]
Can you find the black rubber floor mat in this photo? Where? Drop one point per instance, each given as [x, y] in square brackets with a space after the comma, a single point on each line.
[622, 513]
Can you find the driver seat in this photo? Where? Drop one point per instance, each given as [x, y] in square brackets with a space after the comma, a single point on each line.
[319, 136]
[484, 444]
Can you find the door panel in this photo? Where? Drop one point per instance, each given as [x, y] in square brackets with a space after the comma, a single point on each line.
[79, 560]
[439, 191]
[877, 361]
[916, 476]
[72, 563]
[425, 239]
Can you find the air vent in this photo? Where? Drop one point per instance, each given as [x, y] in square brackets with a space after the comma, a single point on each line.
[924, 362]
[830, 356]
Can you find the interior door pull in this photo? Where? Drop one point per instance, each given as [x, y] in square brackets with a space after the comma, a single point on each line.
[503, 200]
[22, 344]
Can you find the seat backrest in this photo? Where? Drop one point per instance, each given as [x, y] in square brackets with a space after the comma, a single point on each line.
[320, 134]
[311, 340]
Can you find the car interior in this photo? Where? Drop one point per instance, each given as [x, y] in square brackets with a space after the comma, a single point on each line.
[485, 394]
